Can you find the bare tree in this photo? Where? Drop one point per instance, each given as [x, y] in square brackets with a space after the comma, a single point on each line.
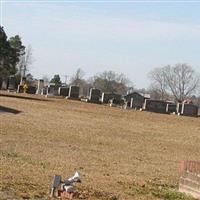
[158, 85]
[155, 93]
[109, 81]
[77, 78]
[180, 80]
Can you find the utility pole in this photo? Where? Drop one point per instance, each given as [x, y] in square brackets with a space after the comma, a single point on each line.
[66, 76]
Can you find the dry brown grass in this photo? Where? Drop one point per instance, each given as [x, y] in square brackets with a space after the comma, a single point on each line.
[115, 150]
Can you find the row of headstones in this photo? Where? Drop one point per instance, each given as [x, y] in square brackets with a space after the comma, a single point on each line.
[96, 96]
[9, 83]
[52, 90]
[30, 89]
[166, 107]
[72, 92]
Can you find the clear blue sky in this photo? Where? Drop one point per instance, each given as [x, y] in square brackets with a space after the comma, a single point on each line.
[126, 37]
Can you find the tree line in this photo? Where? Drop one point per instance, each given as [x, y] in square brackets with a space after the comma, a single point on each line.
[107, 81]
[176, 82]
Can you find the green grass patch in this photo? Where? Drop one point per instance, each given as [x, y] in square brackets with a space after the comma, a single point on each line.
[162, 191]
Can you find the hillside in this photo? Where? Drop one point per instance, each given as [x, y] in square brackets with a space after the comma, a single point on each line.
[121, 154]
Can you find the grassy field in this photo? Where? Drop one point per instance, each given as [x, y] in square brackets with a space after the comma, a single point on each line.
[121, 154]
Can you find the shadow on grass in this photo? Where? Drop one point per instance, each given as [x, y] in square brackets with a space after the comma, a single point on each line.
[22, 97]
[4, 109]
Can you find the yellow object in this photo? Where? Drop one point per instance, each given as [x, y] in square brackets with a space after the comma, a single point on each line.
[25, 87]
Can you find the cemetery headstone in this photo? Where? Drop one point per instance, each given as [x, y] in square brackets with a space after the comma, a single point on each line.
[171, 108]
[116, 98]
[136, 100]
[4, 85]
[95, 95]
[190, 178]
[137, 103]
[20, 89]
[189, 110]
[40, 86]
[155, 106]
[44, 91]
[31, 89]
[12, 83]
[63, 91]
[73, 92]
[52, 90]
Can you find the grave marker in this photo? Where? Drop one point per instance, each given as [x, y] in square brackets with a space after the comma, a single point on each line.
[40, 86]
[190, 178]
[63, 91]
[31, 89]
[155, 106]
[20, 89]
[106, 97]
[95, 95]
[4, 85]
[52, 90]
[171, 108]
[73, 92]
[136, 100]
[189, 110]
[44, 91]
[12, 83]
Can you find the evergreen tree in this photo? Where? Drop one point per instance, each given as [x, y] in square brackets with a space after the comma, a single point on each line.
[56, 80]
[10, 52]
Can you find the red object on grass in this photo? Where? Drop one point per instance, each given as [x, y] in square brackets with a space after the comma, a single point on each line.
[64, 194]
